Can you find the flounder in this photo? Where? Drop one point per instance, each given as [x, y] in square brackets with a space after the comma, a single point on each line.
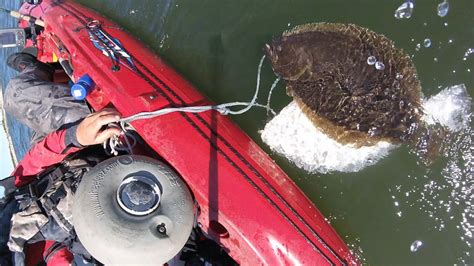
[326, 71]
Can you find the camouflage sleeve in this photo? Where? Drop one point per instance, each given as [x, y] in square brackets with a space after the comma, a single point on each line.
[50, 151]
[41, 105]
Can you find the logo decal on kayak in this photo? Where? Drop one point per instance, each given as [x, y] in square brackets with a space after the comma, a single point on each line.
[111, 47]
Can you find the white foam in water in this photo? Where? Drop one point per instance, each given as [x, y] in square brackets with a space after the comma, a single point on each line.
[293, 135]
[451, 108]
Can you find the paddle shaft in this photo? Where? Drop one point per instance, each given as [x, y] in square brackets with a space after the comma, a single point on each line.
[18, 15]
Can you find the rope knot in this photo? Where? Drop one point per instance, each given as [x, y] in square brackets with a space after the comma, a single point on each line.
[223, 110]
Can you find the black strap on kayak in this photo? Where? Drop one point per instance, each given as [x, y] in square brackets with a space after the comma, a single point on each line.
[50, 203]
[67, 171]
[36, 189]
[34, 35]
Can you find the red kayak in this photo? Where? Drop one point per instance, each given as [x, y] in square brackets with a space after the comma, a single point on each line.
[247, 204]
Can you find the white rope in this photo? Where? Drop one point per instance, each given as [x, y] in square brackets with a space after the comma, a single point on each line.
[270, 95]
[221, 108]
[116, 144]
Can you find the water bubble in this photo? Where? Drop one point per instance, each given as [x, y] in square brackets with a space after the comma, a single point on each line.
[379, 65]
[399, 76]
[450, 41]
[371, 60]
[425, 24]
[443, 8]
[405, 10]
[435, 59]
[427, 43]
[416, 245]
[446, 24]
[418, 46]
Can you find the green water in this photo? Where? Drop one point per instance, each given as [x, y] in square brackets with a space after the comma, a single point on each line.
[217, 45]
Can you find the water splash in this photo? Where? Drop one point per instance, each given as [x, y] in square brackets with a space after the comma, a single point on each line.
[416, 245]
[356, 250]
[468, 52]
[405, 10]
[443, 8]
[451, 108]
[444, 194]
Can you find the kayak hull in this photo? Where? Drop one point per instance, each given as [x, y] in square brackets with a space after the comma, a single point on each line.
[246, 202]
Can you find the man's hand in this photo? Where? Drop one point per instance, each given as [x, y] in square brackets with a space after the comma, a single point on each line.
[90, 131]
